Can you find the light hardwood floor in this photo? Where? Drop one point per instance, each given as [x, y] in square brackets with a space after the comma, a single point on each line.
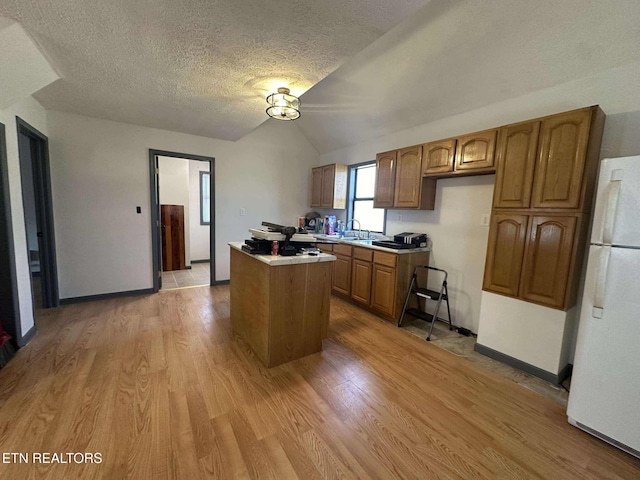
[161, 388]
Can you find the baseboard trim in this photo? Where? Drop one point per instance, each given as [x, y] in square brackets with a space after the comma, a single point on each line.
[201, 261]
[524, 366]
[27, 337]
[220, 282]
[105, 296]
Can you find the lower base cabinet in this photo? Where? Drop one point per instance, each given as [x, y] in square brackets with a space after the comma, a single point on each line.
[373, 279]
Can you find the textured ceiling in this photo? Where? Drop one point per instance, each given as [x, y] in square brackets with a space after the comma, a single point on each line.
[195, 66]
[455, 56]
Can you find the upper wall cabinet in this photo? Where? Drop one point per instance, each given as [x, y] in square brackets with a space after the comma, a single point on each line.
[399, 181]
[385, 179]
[476, 151]
[516, 156]
[563, 144]
[329, 186]
[437, 157]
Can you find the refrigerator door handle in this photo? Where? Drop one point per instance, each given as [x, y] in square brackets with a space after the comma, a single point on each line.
[601, 282]
[612, 206]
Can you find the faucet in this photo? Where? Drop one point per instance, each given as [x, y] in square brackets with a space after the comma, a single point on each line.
[346, 225]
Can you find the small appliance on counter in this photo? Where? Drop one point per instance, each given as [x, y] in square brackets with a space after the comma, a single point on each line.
[404, 241]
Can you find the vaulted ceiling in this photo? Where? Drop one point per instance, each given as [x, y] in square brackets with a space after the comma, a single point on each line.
[197, 66]
[368, 67]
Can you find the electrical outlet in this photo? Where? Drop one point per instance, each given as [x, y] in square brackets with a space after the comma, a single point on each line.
[484, 219]
[243, 212]
[399, 217]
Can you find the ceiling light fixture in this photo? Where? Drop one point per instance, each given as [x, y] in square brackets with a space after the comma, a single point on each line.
[283, 105]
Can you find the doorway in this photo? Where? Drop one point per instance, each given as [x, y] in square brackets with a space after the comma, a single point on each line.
[178, 199]
[33, 152]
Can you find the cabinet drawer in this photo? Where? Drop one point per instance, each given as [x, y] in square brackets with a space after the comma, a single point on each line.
[341, 249]
[365, 254]
[388, 259]
[327, 248]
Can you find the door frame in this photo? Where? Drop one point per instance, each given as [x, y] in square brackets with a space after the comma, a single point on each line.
[44, 212]
[156, 237]
[9, 303]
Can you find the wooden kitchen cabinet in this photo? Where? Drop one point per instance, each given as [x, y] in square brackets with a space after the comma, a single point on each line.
[385, 179]
[383, 289]
[475, 151]
[399, 181]
[516, 157]
[547, 169]
[361, 281]
[408, 178]
[438, 157]
[547, 259]
[341, 275]
[558, 178]
[329, 186]
[505, 252]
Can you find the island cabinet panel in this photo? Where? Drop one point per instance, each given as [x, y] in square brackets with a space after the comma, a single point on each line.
[383, 289]
[476, 151]
[438, 157]
[408, 178]
[385, 179]
[558, 178]
[505, 252]
[547, 260]
[361, 281]
[516, 158]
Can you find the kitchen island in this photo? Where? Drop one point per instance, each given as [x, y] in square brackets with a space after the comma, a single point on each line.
[280, 305]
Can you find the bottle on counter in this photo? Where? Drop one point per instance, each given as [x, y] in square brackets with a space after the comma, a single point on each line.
[275, 246]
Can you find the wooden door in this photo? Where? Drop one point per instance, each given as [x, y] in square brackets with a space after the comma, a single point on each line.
[516, 159]
[547, 259]
[172, 223]
[505, 251]
[562, 152]
[383, 289]
[328, 180]
[408, 178]
[437, 157]
[342, 274]
[316, 187]
[476, 151]
[385, 179]
[361, 281]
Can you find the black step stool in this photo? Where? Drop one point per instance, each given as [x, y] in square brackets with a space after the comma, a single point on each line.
[426, 294]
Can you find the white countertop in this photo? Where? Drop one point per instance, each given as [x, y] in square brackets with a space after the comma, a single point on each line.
[360, 243]
[276, 260]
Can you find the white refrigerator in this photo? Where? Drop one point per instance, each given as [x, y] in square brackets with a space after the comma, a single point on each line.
[605, 387]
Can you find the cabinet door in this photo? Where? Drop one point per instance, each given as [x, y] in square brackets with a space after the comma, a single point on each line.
[516, 158]
[476, 151]
[316, 187]
[408, 178]
[547, 259]
[437, 157]
[505, 252]
[562, 149]
[385, 179]
[342, 274]
[361, 281]
[383, 289]
[328, 178]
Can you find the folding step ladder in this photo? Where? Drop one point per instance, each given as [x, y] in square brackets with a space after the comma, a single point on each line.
[426, 294]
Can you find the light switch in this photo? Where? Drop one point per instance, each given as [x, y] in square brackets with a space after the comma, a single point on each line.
[138, 210]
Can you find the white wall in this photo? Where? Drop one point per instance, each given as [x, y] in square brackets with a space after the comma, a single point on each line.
[100, 173]
[199, 234]
[174, 190]
[33, 113]
[459, 242]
